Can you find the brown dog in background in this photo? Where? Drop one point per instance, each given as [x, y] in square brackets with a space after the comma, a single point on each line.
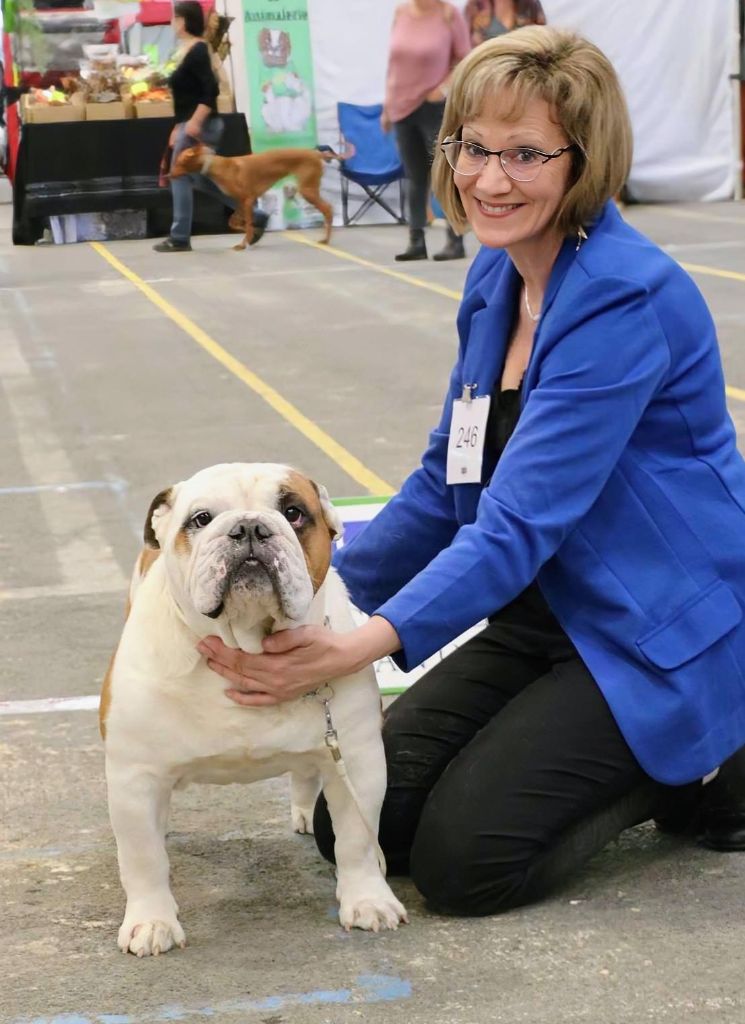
[245, 178]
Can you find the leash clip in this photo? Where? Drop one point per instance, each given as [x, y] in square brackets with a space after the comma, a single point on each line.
[324, 695]
[331, 737]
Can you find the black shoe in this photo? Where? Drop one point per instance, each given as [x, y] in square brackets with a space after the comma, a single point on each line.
[724, 806]
[171, 245]
[417, 249]
[454, 249]
[678, 811]
[726, 833]
[260, 221]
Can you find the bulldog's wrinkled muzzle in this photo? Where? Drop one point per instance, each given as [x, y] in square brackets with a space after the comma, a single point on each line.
[256, 558]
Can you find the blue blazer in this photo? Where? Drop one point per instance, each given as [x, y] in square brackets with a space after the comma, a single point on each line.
[621, 491]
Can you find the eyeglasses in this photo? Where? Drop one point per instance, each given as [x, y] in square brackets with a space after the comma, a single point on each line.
[523, 164]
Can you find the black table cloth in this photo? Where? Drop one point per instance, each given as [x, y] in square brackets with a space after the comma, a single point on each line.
[95, 166]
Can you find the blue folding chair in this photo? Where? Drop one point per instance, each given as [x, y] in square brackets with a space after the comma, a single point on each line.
[375, 164]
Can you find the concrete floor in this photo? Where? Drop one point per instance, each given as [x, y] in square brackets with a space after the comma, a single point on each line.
[105, 399]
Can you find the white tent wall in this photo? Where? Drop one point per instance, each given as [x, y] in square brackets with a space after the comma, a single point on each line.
[674, 60]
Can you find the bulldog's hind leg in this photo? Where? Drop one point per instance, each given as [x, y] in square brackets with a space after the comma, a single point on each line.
[138, 806]
[365, 898]
[304, 792]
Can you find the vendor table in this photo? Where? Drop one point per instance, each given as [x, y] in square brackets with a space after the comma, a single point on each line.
[95, 166]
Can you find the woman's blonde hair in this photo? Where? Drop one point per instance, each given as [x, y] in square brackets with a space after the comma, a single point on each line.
[582, 89]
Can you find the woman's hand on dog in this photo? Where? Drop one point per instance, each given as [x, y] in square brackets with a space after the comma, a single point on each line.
[296, 661]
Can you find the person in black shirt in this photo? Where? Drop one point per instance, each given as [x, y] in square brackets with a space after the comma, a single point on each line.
[195, 91]
[8, 94]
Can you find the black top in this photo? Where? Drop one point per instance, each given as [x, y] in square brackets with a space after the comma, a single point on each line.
[526, 625]
[193, 82]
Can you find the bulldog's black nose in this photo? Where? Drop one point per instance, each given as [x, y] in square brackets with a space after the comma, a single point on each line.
[250, 531]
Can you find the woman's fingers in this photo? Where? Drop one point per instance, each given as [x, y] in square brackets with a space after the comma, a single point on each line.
[288, 639]
[212, 647]
[239, 681]
[235, 659]
[294, 662]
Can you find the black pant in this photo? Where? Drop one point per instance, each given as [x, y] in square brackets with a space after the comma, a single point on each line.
[416, 136]
[506, 772]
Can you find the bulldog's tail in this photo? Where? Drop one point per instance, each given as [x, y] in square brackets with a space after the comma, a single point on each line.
[327, 153]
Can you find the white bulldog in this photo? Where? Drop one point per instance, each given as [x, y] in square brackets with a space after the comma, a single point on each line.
[239, 551]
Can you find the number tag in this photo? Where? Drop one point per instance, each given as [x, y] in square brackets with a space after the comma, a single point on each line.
[466, 443]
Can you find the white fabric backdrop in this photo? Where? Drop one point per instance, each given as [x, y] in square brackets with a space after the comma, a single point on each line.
[674, 59]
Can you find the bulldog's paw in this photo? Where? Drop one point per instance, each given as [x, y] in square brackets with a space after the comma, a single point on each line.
[302, 819]
[372, 907]
[150, 938]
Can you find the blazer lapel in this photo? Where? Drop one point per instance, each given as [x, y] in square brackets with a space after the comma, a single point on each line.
[489, 330]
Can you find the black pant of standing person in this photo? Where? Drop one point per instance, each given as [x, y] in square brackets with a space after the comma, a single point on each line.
[416, 136]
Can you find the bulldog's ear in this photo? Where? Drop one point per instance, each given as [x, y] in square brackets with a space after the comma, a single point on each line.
[160, 508]
[332, 517]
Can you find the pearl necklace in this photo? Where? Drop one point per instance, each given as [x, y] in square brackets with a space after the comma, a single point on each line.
[535, 317]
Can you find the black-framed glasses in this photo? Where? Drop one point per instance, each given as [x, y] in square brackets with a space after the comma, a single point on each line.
[521, 164]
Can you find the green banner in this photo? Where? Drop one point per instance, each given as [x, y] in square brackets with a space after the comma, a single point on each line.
[279, 66]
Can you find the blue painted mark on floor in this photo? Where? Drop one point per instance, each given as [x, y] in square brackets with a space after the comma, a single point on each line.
[369, 988]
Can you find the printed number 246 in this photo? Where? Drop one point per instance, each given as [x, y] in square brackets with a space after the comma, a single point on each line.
[468, 437]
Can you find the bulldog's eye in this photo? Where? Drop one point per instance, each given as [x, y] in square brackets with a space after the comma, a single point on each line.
[200, 519]
[294, 515]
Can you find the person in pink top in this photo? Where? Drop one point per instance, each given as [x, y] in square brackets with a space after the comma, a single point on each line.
[428, 39]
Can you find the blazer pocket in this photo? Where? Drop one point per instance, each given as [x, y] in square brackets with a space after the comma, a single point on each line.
[692, 629]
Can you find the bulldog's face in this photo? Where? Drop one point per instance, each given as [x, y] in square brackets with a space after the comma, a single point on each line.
[188, 161]
[250, 541]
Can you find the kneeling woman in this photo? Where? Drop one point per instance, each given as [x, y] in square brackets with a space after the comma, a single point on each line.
[599, 527]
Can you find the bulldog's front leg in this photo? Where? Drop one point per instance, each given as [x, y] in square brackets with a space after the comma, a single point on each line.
[365, 898]
[138, 807]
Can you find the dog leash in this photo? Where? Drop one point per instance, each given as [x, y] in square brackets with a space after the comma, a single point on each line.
[324, 695]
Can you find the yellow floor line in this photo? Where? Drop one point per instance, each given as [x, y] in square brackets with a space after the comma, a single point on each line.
[698, 268]
[430, 286]
[351, 465]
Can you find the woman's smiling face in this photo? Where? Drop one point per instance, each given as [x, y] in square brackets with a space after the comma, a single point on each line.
[501, 211]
